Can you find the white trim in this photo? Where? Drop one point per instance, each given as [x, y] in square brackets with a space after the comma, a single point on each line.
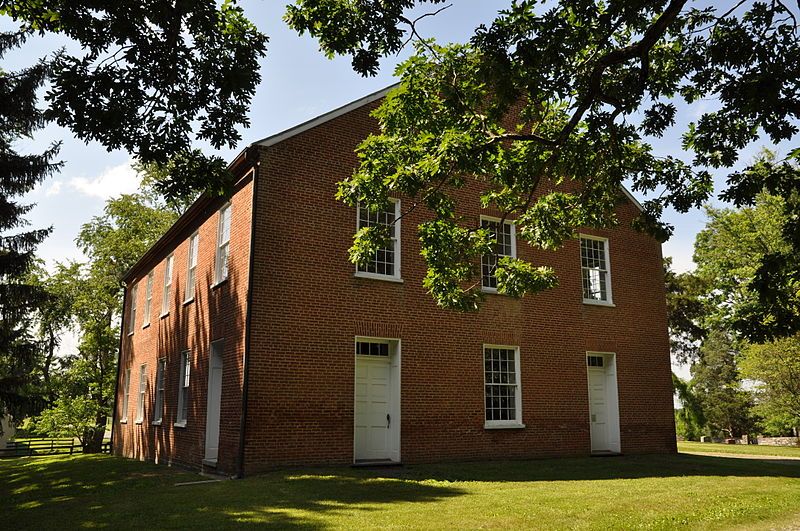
[126, 394]
[166, 293]
[612, 400]
[148, 299]
[191, 270]
[321, 119]
[398, 246]
[487, 289]
[395, 365]
[132, 317]
[227, 208]
[141, 394]
[500, 424]
[607, 247]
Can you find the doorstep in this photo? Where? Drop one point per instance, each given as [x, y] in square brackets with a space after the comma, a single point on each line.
[379, 463]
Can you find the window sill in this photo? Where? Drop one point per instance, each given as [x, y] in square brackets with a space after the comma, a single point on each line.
[516, 426]
[130, 334]
[188, 301]
[180, 424]
[215, 285]
[156, 423]
[591, 302]
[138, 421]
[146, 325]
[376, 276]
[165, 314]
[123, 421]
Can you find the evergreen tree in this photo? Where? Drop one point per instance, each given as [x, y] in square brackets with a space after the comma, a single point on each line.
[19, 173]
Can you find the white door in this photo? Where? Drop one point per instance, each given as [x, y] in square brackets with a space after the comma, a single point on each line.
[373, 408]
[598, 409]
[214, 401]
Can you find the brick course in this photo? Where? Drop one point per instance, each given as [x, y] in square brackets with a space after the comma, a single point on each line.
[307, 308]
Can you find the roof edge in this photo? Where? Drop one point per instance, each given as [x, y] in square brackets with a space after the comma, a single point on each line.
[629, 195]
[321, 119]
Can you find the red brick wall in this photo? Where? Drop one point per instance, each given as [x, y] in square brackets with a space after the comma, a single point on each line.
[216, 313]
[308, 307]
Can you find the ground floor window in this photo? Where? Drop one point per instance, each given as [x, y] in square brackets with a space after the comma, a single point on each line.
[502, 388]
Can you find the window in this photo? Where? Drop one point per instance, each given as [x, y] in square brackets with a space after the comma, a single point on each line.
[372, 348]
[502, 388]
[223, 244]
[386, 262]
[192, 267]
[148, 302]
[183, 389]
[158, 407]
[132, 318]
[595, 268]
[142, 391]
[167, 285]
[126, 392]
[594, 361]
[506, 246]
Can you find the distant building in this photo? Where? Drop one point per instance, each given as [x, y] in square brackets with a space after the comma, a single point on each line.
[251, 342]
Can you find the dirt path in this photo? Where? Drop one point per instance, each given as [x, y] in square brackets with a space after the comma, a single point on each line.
[782, 459]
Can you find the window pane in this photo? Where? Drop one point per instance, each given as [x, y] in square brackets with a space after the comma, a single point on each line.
[504, 246]
[383, 263]
[501, 383]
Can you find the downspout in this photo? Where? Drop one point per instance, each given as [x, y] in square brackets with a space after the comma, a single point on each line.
[119, 365]
[246, 355]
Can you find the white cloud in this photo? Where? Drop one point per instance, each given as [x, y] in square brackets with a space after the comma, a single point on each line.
[53, 189]
[114, 181]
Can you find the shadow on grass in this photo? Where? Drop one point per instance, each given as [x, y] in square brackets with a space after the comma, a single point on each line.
[103, 491]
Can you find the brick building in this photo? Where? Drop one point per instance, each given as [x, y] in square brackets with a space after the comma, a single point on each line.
[251, 342]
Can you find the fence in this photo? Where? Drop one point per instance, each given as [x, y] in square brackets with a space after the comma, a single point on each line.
[38, 447]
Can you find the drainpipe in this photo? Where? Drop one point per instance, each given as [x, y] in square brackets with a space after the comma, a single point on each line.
[119, 365]
[246, 355]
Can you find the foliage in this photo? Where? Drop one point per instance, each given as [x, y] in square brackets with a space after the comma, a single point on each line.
[71, 417]
[690, 419]
[718, 388]
[151, 77]
[686, 311]
[19, 174]
[775, 367]
[112, 242]
[551, 107]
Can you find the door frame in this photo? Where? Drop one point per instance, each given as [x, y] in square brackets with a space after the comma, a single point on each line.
[394, 408]
[612, 401]
[221, 353]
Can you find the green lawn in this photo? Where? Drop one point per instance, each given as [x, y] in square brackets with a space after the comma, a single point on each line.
[750, 449]
[613, 492]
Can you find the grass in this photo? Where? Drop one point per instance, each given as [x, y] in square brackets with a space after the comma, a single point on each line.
[660, 492]
[748, 449]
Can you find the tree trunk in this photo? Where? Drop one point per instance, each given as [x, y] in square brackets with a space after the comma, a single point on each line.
[93, 443]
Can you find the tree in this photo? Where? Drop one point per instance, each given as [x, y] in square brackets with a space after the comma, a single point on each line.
[689, 419]
[551, 108]
[19, 173]
[775, 367]
[150, 77]
[716, 384]
[112, 242]
[686, 311]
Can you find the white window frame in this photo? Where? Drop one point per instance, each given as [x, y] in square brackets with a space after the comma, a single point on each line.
[158, 403]
[126, 393]
[490, 289]
[397, 276]
[165, 296]
[504, 424]
[609, 299]
[132, 318]
[142, 393]
[148, 302]
[182, 413]
[191, 267]
[223, 247]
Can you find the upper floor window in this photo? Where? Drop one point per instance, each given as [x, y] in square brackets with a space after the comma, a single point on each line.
[148, 299]
[506, 245]
[595, 270]
[386, 262]
[501, 386]
[167, 284]
[191, 266]
[132, 318]
[223, 244]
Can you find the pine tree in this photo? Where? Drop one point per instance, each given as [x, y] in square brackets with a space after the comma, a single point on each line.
[20, 117]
